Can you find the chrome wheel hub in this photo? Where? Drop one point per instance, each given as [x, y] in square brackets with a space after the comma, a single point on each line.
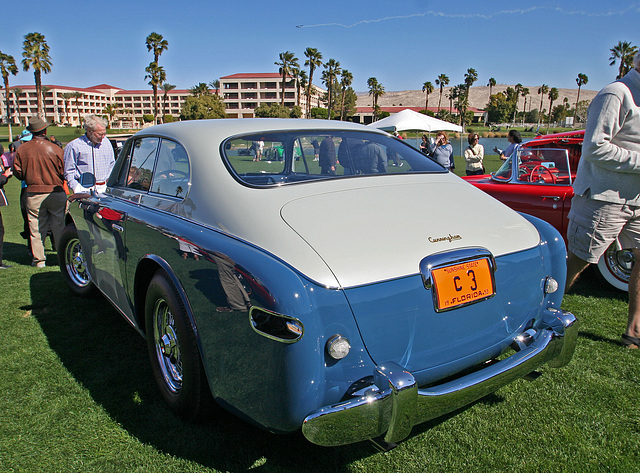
[167, 346]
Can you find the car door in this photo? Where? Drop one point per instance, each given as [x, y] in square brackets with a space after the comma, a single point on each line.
[537, 182]
[109, 218]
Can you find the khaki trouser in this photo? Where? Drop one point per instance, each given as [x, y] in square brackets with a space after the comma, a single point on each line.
[45, 212]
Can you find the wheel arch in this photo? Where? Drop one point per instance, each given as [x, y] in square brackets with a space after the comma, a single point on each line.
[146, 269]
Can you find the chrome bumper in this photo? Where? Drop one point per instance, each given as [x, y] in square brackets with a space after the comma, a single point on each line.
[394, 404]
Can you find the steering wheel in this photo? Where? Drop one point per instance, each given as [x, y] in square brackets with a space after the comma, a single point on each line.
[540, 170]
[171, 173]
[524, 173]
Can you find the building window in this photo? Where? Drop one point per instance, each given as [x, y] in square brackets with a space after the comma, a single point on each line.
[231, 85]
[249, 85]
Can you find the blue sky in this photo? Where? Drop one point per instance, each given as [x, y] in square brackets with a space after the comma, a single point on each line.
[402, 43]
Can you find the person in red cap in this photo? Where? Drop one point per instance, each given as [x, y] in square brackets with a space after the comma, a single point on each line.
[40, 163]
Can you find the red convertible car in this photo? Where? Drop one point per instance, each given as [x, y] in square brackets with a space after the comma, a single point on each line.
[537, 180]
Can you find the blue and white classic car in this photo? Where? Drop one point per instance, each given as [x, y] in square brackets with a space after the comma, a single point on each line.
[317, 275]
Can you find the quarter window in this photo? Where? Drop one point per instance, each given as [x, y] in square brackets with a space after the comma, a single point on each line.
[143, 159]
[171, 176]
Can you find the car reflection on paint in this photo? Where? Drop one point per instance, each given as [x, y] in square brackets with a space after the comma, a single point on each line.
[344, 297]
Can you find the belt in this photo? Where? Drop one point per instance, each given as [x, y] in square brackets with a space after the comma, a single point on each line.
[100, 183]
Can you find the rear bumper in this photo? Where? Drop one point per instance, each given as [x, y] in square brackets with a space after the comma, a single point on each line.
[393, 404]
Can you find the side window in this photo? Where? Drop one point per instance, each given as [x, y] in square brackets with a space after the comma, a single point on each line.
[143, 158]
[171, 176]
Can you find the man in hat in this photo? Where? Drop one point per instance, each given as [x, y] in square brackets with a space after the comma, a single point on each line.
[40, 164]
[92, 152]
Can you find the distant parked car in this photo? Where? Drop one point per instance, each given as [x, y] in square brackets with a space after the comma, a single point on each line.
[538, 181]
[351, 303]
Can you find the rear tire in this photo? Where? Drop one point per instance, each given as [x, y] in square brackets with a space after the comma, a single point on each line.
[173, 351]
[73, 264]
[615, 266]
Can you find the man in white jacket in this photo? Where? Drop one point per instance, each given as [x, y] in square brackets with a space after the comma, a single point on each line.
[606, 204]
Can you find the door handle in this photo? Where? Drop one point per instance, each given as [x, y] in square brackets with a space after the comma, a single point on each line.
[554, 197]
[117, 228]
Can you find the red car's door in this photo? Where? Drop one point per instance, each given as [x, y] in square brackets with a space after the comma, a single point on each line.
[536, 181]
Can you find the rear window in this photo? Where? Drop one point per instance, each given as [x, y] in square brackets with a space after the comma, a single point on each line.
[276, 158]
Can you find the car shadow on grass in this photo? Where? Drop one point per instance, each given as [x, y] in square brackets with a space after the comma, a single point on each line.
[109, 358]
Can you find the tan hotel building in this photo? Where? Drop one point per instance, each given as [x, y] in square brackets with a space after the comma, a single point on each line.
[241, 94]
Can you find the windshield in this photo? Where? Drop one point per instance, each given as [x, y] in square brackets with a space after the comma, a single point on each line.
[538, 166]
[275, 158]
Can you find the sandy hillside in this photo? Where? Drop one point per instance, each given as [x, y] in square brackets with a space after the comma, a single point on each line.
[478, 97]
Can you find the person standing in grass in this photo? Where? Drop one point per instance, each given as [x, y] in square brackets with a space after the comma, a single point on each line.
[474, 155]
[40, 164]
[4, 177]
[606, 204]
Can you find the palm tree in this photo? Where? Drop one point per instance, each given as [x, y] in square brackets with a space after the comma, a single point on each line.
[111, 111]
[491, 84]
[288, 61]
[301, 83]
[156, 76]
[624, 52]
[215, 84]
[346, 79]
[581, 80]
[469, 79]
[17, 92]
[524, 92]
[156, 43]
[553, 95]
[441, 81]
[518, 89]
[36, 55]
[199, 90]
[7, 66]
[375, 90]
[330, 76]
[166, 87]
[77, 96]
[542, 91]
[427, 87]
[66, 97]
[314, 60]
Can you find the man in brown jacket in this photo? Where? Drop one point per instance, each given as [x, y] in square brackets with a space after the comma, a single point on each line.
[40, 163]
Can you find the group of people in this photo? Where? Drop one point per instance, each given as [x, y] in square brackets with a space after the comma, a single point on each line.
[441, 151]
[48, 172]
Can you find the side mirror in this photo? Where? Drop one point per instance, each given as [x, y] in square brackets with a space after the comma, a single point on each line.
[87, 180]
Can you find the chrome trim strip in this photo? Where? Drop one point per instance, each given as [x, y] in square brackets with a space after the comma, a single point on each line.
[393, 404]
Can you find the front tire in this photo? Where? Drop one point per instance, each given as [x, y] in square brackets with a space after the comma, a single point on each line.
[615, 266]
[73, 264]
[173, 351]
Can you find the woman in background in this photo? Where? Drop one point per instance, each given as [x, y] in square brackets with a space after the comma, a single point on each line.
[474, 155]
[441, 151]
[5, 174]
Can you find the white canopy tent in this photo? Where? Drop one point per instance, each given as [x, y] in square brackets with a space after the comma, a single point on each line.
[408, 120]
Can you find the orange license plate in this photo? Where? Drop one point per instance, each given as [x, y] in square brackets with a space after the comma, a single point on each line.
[462, 283]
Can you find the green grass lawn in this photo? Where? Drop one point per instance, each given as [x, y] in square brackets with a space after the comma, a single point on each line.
[78, 396]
